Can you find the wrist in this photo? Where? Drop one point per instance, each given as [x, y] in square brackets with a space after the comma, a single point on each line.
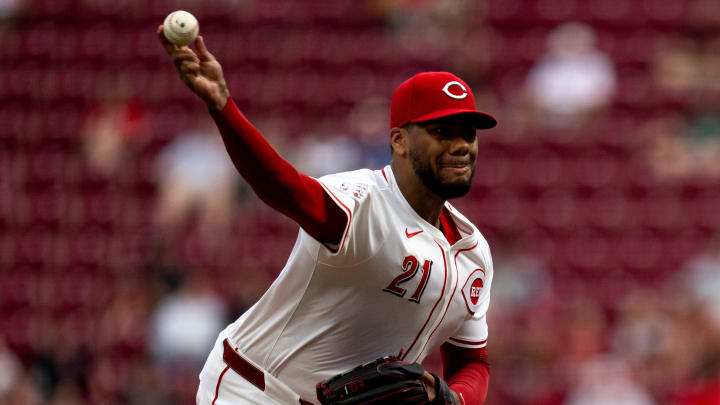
[218, 102]
[443, 394]
[457, 398]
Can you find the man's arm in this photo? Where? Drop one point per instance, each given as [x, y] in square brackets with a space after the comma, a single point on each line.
[276, 181]
[273, 179]
[467, 372]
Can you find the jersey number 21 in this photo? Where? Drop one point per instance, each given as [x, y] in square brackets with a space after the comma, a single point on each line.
[410, 267]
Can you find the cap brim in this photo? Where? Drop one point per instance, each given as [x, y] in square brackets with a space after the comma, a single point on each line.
[480, 120]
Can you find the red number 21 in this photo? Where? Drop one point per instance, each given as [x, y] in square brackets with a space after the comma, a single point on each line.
[410, 268]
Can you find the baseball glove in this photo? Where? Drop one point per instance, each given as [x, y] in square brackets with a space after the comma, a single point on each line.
[385, 381]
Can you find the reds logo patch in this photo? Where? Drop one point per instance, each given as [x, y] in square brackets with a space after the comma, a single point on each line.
[472, 290]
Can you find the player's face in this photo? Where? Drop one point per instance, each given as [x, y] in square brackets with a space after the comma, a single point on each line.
[443, 153]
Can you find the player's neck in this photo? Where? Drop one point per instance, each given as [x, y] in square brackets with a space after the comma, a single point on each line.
[425, 203]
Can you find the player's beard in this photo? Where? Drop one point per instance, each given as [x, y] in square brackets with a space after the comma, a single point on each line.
[432, 181]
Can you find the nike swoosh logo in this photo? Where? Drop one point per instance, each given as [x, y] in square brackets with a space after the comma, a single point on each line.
[410, 235]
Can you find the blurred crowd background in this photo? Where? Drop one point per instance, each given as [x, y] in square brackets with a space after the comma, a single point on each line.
[127, 241]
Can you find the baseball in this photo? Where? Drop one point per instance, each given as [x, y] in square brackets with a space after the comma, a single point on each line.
[181, 27]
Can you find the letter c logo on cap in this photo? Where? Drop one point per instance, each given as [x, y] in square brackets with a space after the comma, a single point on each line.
[461, 96]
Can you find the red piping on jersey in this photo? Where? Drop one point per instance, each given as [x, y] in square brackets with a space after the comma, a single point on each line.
[383, 172]
[465, 250]
[457, 278]
[446, 308]
[468, 342]
[217, 388]
[347, 212]
[434, 306]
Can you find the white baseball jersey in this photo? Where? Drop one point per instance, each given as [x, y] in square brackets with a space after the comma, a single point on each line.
[393, 284]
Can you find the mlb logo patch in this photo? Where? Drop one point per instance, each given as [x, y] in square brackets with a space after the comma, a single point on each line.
[472, 290]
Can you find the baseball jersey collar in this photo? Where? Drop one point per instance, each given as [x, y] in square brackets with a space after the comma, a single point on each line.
[467, 230]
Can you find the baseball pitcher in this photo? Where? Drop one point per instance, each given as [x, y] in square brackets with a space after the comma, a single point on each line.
[384, 270]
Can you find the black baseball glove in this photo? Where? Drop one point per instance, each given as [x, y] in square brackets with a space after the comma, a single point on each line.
[385, 381]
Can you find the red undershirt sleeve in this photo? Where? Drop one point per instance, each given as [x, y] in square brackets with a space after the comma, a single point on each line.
[277, 182]
[467, 372]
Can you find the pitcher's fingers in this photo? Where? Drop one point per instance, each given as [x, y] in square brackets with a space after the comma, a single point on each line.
[189, 80]
[203, 53]
[169, 46]
[185, 54]
[179, 58]
[189, 68]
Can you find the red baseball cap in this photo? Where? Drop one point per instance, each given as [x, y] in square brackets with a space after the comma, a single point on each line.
[431, 95]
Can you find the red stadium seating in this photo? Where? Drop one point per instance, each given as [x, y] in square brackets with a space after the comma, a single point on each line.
[585, 203]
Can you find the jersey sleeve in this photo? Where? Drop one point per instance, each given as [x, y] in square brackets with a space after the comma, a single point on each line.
[472, 335]
[353, 192]
[348, 206]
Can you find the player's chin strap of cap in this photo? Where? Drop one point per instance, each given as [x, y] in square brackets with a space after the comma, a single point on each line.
[443, 394]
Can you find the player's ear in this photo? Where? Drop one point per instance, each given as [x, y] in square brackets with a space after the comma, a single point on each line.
[399, 141]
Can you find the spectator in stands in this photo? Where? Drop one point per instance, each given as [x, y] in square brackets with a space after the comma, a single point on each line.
[366, 124]
[683, 69]
[327, 139]
[425, 29]
[195, 175]
[703, 135]
[667, 338]
[701, 278]
[524, 283]
[25, 391]
[606, 380]
[10, 9]
[527, 348]
[122, 325]
[572, 80]
[185, 324]
[666, 151]
[10, 369]
[702, 140]
[675, 69]
[111, 131]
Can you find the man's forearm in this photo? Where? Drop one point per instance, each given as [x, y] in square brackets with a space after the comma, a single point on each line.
[467, 372]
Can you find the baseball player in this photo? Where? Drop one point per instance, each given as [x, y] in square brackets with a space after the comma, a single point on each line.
[383, 264]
